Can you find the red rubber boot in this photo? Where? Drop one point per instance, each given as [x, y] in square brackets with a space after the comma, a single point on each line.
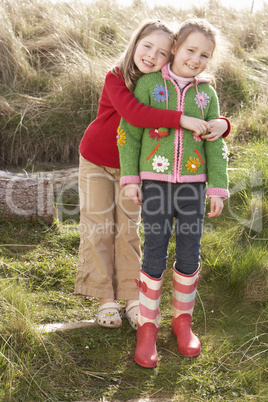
[146, 353]
[184, 290]
[188, 343]
[148, 320]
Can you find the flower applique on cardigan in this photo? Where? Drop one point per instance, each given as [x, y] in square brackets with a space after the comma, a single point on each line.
[121, 136]
[160, 164]
[158, 133]
[160, 93]
[178, 157]
[202, 100]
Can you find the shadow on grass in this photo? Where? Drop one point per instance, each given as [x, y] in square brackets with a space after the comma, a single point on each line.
[96, 363]
[231, 365]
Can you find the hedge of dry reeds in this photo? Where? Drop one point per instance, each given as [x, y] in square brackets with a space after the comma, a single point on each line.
[53, 59]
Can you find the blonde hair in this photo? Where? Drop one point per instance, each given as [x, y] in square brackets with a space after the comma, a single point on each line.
[126, 65]
[195, 25]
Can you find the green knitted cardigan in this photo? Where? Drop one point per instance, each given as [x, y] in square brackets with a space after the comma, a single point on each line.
[174, 155]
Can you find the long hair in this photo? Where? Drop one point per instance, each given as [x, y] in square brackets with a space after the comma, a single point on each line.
[126, 64]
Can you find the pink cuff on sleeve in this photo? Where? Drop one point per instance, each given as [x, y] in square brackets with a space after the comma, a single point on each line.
[129, 179]
[218, 192]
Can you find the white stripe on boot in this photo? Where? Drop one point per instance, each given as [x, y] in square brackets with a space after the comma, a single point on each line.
[184, 291]
[149, 297]
[148, 320]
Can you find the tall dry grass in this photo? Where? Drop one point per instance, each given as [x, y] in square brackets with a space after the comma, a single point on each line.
[53, 59]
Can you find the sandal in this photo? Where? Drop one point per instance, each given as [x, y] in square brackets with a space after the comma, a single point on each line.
[108, 315]
[131, 313]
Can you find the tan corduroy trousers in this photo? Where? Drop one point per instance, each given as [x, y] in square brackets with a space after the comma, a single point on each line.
[109, 252]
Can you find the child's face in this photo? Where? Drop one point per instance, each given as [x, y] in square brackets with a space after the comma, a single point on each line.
[153, 52]
[193, 56]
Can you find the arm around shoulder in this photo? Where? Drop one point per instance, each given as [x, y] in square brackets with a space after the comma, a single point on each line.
[134, 112]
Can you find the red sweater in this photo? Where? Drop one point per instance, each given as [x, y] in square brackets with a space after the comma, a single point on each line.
[99, 143]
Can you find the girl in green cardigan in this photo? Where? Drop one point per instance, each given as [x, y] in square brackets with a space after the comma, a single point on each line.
[109, 251]
[174, 165]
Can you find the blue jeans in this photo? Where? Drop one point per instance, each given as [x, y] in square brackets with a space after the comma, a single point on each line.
[162, 202]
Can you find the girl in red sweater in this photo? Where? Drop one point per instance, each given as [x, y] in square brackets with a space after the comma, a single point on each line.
[109, 252]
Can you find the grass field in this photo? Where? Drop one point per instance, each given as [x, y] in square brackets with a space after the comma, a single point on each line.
[37, 280]
[53, 61]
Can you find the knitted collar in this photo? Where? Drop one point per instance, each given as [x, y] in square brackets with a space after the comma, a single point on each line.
[182, 81]
[166, 75]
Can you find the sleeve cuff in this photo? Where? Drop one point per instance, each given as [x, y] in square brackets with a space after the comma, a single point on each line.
[227, 132]
[218, 192]
[129, 180]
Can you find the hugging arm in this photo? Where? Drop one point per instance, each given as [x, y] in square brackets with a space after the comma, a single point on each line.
[135, 112]
[220, 127]
[139, 115]
[207, 130]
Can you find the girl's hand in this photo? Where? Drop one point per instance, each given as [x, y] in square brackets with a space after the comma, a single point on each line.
[216, 207]
[133, 193]
[217, 128]
[198, 126]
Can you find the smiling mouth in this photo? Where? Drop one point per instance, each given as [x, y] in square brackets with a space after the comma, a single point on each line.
[148, 63]
[191, 67]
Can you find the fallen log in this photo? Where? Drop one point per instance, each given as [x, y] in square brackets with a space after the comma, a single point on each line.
[29, 198]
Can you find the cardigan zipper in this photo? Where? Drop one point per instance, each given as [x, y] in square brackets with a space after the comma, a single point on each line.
[178, 152]
[180, 133]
